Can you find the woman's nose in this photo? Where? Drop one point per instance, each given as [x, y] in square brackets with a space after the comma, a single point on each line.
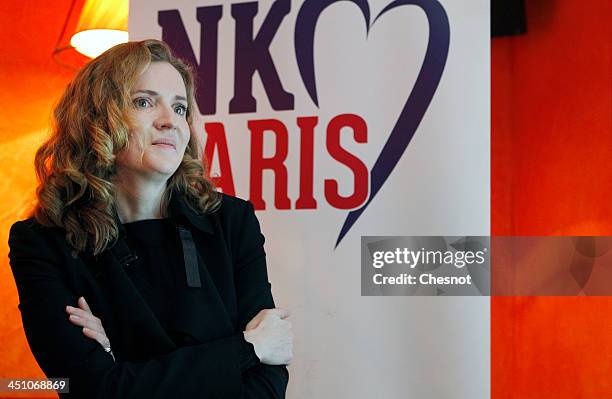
[165, 118]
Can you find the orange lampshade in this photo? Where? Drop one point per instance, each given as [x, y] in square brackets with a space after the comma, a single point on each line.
[92, 27]
[102, 24]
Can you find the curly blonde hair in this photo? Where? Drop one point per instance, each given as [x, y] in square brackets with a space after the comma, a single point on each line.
[75, 165]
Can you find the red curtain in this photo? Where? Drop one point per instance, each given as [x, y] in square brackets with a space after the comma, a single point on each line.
[551, 174]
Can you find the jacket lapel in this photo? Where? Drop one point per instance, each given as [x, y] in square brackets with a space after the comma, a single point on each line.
[202, 313]
[139, 332]
[136, 332]
[214, 259]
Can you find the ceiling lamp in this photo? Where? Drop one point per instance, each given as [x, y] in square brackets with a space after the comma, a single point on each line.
[91, 27]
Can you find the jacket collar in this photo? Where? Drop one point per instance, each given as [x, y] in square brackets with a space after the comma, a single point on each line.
[181, 212]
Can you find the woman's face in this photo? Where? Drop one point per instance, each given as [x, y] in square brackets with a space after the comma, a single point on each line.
[159, 131]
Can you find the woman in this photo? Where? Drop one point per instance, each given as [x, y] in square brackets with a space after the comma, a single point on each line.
[135, 277]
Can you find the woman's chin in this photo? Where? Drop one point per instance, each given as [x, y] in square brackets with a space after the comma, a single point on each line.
[164, 170]
[164, 165]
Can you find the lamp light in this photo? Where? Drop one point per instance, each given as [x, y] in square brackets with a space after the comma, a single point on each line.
[91, 27]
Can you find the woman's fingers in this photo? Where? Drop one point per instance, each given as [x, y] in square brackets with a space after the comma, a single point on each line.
[85, 322]
[270, 333]
[87, 317]
[92, 326]
[253, 323]
[101, 338]
[82, 310]
[83, 304]
[82, 317]
[79, 312]
[265, 313]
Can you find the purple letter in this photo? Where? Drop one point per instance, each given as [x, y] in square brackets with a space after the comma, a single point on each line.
[173, 33]
[254, 55]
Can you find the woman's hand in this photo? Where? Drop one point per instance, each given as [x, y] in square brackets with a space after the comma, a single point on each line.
[271, 336]
[92, 326]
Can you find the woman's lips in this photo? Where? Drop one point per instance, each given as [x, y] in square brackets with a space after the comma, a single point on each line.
[169, 146]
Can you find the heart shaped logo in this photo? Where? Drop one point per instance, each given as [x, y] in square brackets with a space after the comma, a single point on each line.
[417, 102]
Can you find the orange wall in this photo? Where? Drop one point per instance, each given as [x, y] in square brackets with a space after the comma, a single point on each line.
[552, 175]
[31, 82]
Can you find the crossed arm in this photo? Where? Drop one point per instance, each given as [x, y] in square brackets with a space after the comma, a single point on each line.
[269, 332]
[63, 348]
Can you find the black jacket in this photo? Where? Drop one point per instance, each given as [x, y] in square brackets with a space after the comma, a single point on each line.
[149, 364]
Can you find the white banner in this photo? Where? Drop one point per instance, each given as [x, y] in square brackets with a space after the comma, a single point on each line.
[342, 119]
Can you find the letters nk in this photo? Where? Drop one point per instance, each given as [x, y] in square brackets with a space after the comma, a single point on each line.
[252, 54]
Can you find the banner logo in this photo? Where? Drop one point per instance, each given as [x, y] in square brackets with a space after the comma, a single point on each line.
[252, 54]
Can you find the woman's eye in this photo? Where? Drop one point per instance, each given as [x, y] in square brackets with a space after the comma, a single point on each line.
[181, 110]
[141, 103]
